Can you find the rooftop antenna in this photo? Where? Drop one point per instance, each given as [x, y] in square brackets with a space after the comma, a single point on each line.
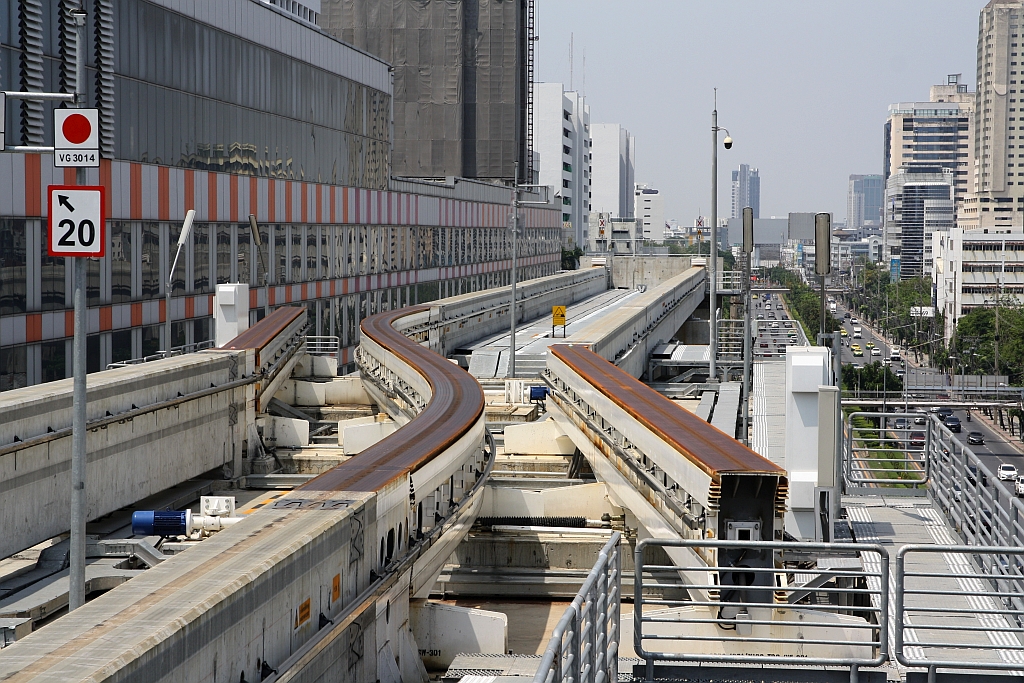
[583, 87]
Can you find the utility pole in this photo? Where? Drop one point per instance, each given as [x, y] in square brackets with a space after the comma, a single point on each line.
[748, 247]
[79, 499]
[516, 203]
[713, 251]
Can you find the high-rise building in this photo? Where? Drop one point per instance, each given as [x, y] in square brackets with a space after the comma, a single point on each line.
[998, 185]
[613, 170]
[746, 191]
[918, 203]
[934, 134]
[562, 144]
[864, 201]
[650, 212]
[461, 80]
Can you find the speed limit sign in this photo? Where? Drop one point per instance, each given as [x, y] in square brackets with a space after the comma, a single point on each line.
[77, 226]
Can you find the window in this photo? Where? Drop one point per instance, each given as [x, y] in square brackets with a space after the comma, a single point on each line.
[566, 133]
[53, 360]
[201, 257]
[120, 261]
[13, 274]
[223, 254]
[51, 274]
[150, 261]
[13, 368]
[566, 150]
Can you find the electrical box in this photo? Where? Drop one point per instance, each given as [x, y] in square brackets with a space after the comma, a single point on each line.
[231, 312]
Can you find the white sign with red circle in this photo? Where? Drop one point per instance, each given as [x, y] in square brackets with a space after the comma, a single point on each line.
[76, 138]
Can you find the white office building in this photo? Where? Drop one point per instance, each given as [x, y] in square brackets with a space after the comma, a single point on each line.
[977, 268]
[613, 170]
[563, 149]
[918, 203]
[649, 210]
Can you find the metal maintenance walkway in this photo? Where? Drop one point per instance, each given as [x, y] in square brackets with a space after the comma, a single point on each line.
[955, 601]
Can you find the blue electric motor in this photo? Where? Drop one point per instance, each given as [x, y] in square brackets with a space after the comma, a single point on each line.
[158, 523]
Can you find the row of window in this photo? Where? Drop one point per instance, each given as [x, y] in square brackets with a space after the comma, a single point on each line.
[338, 316]
[140, 253]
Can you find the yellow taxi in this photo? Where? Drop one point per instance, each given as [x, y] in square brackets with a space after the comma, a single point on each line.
[870, 345]
[857, 350]
[844, 333]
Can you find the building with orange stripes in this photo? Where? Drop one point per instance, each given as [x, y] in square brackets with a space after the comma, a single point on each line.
[230, 108]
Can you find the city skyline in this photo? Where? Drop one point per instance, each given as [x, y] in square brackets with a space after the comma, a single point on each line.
[807, 141]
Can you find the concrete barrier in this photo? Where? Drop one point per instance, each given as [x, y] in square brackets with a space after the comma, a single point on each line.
[151, 426]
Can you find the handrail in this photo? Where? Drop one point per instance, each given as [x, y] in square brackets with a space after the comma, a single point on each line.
[591, 624]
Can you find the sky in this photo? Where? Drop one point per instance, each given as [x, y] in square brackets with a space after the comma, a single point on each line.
[803, 86]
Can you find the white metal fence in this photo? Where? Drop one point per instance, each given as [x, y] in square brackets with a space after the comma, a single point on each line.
[584, 647]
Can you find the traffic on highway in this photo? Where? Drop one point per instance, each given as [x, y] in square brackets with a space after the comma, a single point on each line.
[775, 329]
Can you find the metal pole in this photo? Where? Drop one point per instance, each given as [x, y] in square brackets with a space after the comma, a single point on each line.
[713, 251]
[76, 593]
[512, 309]
[821, 332]
[748, 245]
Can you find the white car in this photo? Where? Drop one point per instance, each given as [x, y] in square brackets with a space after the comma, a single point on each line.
[1019, 488]
[1006, 472]
[876, 351]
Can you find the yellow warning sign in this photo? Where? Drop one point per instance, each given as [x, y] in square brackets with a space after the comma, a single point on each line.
[558, 315]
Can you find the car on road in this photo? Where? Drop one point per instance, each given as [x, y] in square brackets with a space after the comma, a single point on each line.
[760, 316]
[976, 438]
[972, 476]
[1006, 472]
[956, 492]
[921, 419]
[876, 352]
[853, 321]
[843, 333]
[1019, 486]
[943, 412]
[901, 423]
[856, 351]
[900, 372]
[870, 345]
[788, 324]
[916, 441]
[952, 424]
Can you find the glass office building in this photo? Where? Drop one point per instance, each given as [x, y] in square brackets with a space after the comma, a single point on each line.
[230, 108]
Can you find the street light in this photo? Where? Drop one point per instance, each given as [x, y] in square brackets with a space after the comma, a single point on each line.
[748, 246]
[713, 368]
[186, 229]
[258, 241]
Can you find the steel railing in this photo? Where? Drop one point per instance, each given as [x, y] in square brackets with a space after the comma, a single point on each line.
[160, 355]
[756, 612]
[323, 346]
[584, 647]
[975, 605]
[886, 450]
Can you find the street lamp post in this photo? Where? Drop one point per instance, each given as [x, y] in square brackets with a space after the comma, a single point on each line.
[748, 247]
[516, 203]
[713, 252]
[186, 228]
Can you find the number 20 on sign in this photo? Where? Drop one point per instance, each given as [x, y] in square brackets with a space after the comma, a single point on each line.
[77, 226]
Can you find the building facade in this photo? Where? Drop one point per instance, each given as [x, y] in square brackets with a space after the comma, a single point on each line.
[650, 212]
[562, 145]
[917, 204]
[613, 170]
[864, 201]
[746, 191]
[977, 268]
[461, 81]
[997, 197]
[930, 135]
[292, 126]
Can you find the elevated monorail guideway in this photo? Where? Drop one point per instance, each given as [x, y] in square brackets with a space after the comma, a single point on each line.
[322, 578]
[680, 476]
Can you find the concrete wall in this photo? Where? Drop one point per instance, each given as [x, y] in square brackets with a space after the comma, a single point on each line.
[127, 460]
[463, 319]
[649, 270]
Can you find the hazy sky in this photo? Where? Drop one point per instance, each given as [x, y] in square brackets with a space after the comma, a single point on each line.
[803, 85]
